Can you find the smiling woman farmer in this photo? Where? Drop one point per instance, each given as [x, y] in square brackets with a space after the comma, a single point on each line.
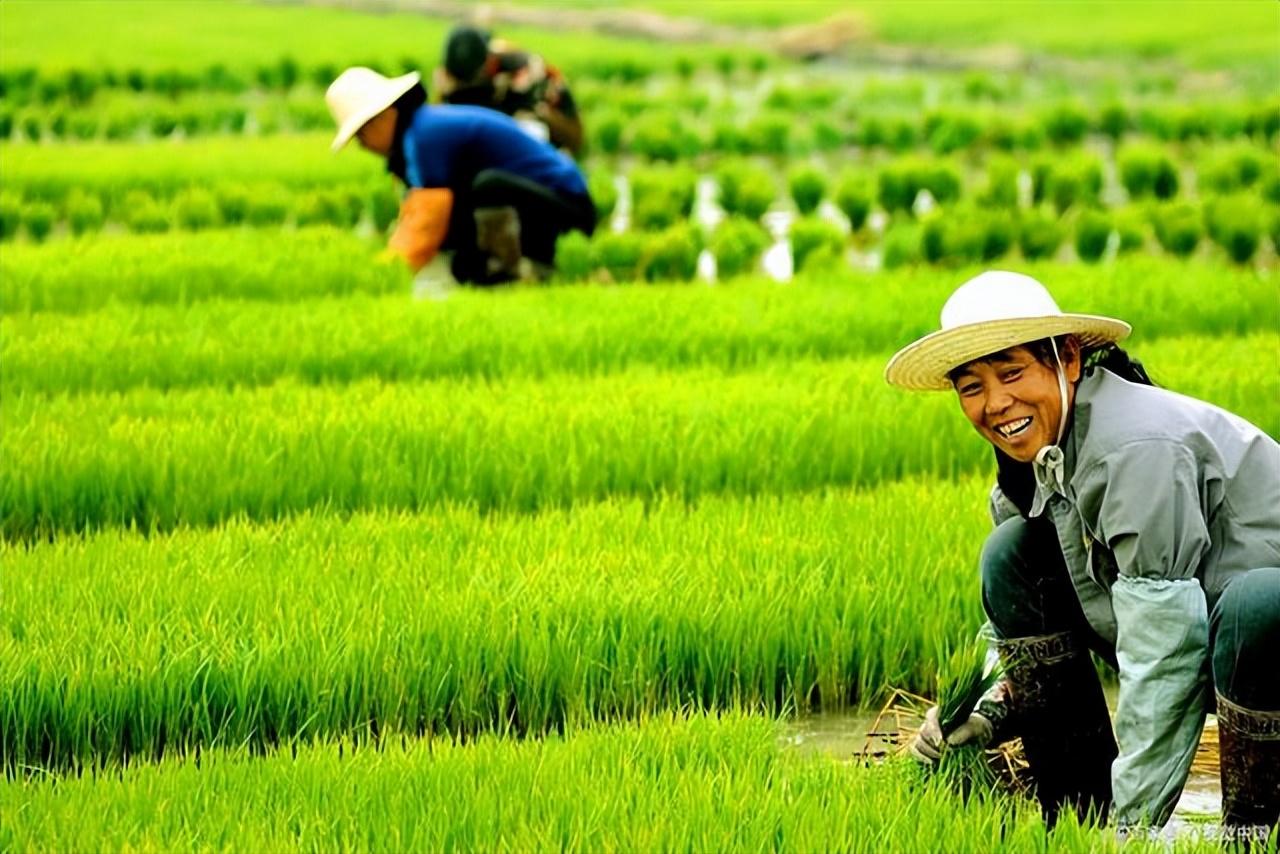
[476, 183]
[1131, 521]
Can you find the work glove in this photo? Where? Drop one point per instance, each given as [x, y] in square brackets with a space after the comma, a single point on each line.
[926, 747]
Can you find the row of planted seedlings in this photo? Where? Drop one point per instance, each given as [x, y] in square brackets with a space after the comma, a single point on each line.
[202, 455]
[665, 134]
[1064, 207]
[473, 622]
[316, 305]
[699, 782]
[80, 86]
[680, 119]
[108, 187]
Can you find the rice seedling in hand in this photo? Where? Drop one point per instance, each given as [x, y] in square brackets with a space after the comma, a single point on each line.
[964, 676]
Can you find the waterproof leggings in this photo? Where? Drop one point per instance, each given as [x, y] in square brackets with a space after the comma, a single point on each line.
[1032, 605]
[1026, 590]
[542, 216]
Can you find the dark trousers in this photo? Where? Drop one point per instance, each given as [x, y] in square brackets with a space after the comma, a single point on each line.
[1026, 590]
[543, 216]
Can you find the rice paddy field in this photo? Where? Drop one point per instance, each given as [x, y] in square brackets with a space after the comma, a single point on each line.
[301, 553]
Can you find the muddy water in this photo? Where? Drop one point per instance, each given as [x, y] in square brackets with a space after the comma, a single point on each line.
[843, 735]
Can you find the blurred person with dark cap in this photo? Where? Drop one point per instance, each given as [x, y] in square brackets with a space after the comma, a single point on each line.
[487, 72]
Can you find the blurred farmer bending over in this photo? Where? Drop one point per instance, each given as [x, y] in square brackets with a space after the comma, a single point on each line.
[494, 74]
[478, 185]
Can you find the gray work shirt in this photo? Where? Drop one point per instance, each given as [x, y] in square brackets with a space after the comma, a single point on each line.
[1159, 501]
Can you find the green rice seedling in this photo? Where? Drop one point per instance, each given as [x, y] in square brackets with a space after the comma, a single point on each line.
[1065, 124]
[901, 246]
[1147, 170]
[1235, 223]
[10, 214]
[1039, 235]
[606, 132]
[1263, 121]
[1002, 183]
[999, 232]
[196, 209]
[1177, 227]
[737, 245]
[575, 260]
[1093, 232]
[949, 131]
[1114, 120]
[663, 136]
[234, 201]
[84, 213]
[769, 132]
[142, 214]
[1228, 170]
[1132, 229]
[661, 197]
[38, 219]
[964, 676]
[619, 254]
[808, 186]
[854, 196]
[671, 255]
[816, 243]
[745, 189]
[604, 192]
[269, 204]
[1074, 181]
[902, 180]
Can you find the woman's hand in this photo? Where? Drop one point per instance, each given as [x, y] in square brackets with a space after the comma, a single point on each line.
[927, 746]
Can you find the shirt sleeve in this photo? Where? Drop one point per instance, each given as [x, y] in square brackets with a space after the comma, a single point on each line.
[1146, 501]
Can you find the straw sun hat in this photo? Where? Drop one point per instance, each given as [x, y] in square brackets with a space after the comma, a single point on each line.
[358, 95]
[991, 312]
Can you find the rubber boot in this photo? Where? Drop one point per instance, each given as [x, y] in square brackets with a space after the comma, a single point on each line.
[498, 237]
[1249, 744]
[1060, 712]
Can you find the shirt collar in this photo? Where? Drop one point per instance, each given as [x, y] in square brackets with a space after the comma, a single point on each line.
[1055, 465]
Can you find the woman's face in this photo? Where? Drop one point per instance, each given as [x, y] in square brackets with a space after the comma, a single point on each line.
[378, 133]
[1012, 398]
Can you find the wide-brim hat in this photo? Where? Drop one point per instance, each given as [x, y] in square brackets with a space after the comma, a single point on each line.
[991, 312]
[358, 95]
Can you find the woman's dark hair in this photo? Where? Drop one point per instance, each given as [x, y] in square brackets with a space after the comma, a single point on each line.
[1110, 356]
[406, 107]
[1017, 480]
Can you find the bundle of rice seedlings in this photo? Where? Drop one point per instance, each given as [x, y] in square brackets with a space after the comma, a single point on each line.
[963, 677]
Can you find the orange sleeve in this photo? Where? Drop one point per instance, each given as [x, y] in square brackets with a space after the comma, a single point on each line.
[424, 222]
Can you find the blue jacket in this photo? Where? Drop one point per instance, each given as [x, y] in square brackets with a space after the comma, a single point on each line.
[447, 146]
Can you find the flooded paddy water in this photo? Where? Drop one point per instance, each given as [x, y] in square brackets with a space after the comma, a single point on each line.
[853, 734]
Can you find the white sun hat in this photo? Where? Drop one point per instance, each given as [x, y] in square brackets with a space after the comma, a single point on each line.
[358, 95]
[991, 312]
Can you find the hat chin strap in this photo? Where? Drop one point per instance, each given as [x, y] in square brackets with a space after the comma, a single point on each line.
[1044, 453]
